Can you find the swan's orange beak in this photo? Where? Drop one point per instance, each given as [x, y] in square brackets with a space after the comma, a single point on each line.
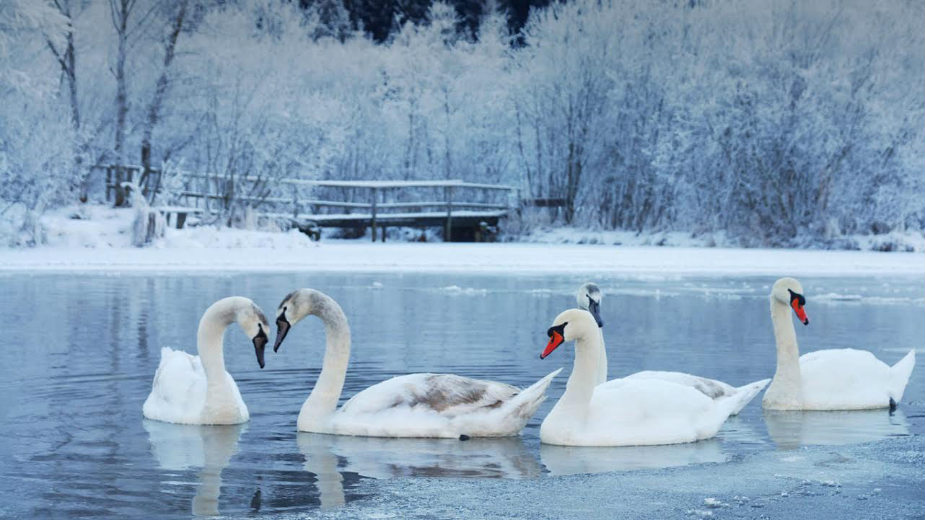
[798, 309]
[555, 339]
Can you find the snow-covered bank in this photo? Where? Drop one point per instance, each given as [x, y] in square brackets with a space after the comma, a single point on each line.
[96, 238]
[908, 241]
[486, 258]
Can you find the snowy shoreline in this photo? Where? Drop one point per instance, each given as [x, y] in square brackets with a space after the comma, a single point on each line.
[354, 256]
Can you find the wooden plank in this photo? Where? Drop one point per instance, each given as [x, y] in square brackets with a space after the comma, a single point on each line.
[440, 204]
[372, 219]
[486, 186]
[448, 229]
[353, 184]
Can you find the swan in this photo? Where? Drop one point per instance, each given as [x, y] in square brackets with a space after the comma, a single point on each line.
[837, 379]
[197, 389]
[589, 298]
[413, 405]
[622, 412]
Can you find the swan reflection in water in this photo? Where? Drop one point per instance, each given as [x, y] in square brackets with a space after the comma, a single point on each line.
[327, 456]
[180, 447]
[568, 460]
[792, 429]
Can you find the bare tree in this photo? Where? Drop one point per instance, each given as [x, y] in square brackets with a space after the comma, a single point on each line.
[160, 94]
[66, 56]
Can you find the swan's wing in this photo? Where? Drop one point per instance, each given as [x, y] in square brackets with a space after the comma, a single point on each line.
[644, 411]
[446, 394]
[709, 387]
[178, 390]
[844, 379]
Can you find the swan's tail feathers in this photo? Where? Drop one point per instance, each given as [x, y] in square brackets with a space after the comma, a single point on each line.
[745, 393]
[525, 403]
[899, 376]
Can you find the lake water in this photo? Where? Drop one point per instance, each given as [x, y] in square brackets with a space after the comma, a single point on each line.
[80, 353]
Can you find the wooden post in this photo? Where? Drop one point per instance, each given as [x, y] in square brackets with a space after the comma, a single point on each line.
[448, 229]
[373, 219]
[109, 183]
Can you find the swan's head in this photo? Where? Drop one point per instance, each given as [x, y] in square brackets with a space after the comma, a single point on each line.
[571, 325]
[589, 298]
[299, 304]
[254, 323]
[788, 291]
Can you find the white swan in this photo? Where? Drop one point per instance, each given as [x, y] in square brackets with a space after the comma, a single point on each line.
[623, 412]
[589, 298]
[414, 405]
[838, 379]
[197, 389]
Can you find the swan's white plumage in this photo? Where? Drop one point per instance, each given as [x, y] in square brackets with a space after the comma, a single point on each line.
[631, 411]
[437, 406]
[849, 379]
[414, 405]
[641, 412]
[709, 387]
[178, 394]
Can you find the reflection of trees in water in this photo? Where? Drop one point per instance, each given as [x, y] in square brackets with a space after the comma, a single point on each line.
[790, 429]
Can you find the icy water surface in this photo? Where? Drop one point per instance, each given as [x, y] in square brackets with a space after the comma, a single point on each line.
[80, 353]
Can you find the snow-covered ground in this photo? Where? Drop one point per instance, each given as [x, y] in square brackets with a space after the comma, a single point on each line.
[100, 241]
[893, 241]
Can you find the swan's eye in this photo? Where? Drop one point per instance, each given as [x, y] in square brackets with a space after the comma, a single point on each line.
[796, 297]
[558, 328]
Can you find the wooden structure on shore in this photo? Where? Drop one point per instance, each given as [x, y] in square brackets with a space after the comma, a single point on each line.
[466, 211]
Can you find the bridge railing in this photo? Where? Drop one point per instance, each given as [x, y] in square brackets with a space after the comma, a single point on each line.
[365, 203]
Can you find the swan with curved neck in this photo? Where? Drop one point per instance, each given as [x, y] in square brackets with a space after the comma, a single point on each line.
[197, 389]
[622, 412]
[413, 405]
[589, 298]
[836, 379]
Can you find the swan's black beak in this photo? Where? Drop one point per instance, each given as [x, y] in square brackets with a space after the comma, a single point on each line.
[595, 309]
[282, 328]
[260, 342]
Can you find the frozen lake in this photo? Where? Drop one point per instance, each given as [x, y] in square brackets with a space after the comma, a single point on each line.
[81, 351]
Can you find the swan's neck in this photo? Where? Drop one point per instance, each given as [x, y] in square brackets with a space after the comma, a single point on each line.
[322, 402]
[602, 362]
[210, 341]
[584, 378]
[785, 389]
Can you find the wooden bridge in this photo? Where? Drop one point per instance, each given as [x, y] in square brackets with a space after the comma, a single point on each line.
[466, 211]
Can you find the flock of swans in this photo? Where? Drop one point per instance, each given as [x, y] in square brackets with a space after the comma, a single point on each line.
[645, 408]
